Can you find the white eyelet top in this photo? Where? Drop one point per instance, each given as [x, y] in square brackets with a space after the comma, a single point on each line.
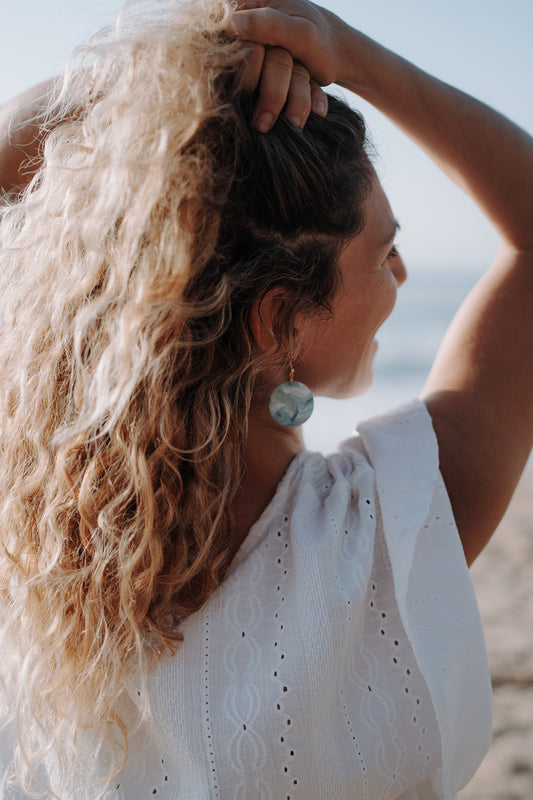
[343, 656]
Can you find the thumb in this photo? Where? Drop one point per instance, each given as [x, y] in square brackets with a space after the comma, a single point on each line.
[297, 34]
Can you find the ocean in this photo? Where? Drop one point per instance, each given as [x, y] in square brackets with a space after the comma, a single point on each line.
[408, 343]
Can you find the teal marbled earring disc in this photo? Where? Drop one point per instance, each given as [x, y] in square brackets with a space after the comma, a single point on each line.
[291, 404]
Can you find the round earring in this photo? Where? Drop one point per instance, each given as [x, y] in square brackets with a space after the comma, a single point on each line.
[291, 403]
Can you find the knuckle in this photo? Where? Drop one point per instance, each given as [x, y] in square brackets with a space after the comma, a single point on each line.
[271, 23]
[301, 72]
[262, 22]
[280, 57]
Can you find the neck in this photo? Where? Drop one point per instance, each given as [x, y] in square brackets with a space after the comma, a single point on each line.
[269, 448]
[268, 451]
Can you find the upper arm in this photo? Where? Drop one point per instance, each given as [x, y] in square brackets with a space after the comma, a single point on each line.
[480, 396]
[20, 136]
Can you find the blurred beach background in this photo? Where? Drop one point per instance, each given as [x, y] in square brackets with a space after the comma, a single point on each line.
[484, 48]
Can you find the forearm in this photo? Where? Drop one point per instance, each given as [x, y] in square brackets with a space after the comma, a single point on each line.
[21, 136]
[482, 151]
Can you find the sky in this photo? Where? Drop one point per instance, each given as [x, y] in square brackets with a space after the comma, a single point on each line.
[481, 46]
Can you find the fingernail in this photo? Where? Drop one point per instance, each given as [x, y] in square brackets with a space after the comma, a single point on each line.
[320, 108]
[296, 121]
[264, 122]
[238, 24]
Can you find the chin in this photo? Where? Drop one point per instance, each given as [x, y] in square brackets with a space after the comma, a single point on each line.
[362, 389]
[355, 388]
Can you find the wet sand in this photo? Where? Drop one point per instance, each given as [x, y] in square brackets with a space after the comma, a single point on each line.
[503, 577]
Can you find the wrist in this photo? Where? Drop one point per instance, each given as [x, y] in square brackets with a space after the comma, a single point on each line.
[363, 64]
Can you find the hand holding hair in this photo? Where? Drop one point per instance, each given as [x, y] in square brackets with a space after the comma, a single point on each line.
[312, 34]
[293, 66]
[284, 86]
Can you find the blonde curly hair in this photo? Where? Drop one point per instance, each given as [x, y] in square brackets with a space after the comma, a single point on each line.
[128, 270]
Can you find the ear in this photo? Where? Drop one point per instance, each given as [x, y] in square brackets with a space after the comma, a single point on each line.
[262, 315]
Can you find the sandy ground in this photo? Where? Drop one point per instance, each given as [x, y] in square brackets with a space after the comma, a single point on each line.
[503, 577]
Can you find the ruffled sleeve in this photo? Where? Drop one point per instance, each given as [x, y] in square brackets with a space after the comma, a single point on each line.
[432, 584]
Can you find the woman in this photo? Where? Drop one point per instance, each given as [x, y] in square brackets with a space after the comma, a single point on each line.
[193, 606]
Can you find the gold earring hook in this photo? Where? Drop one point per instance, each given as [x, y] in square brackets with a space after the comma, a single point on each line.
[291, 374]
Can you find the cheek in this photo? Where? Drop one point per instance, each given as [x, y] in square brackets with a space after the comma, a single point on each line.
[384, 298]
[372, 305]
[338, 352]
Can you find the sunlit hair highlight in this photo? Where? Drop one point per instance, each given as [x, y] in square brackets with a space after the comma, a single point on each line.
[128, 272]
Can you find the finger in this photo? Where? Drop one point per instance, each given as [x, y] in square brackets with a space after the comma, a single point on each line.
[246, 6]
[319, 99]
[309, 40]
[260, 24]
[273, 87]
[269, 26]
[298, 105]
[253, 65]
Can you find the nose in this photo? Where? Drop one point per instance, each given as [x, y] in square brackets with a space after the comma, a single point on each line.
[397, 267]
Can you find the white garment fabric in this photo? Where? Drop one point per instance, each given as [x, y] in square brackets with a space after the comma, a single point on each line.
[343, 656]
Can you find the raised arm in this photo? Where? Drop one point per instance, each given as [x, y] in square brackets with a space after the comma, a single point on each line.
[480, 389]
[21, 135]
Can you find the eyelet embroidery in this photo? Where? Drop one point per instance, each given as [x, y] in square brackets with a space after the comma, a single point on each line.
[280, 659]
[416, 709]
[247, 749]
[207, 711]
